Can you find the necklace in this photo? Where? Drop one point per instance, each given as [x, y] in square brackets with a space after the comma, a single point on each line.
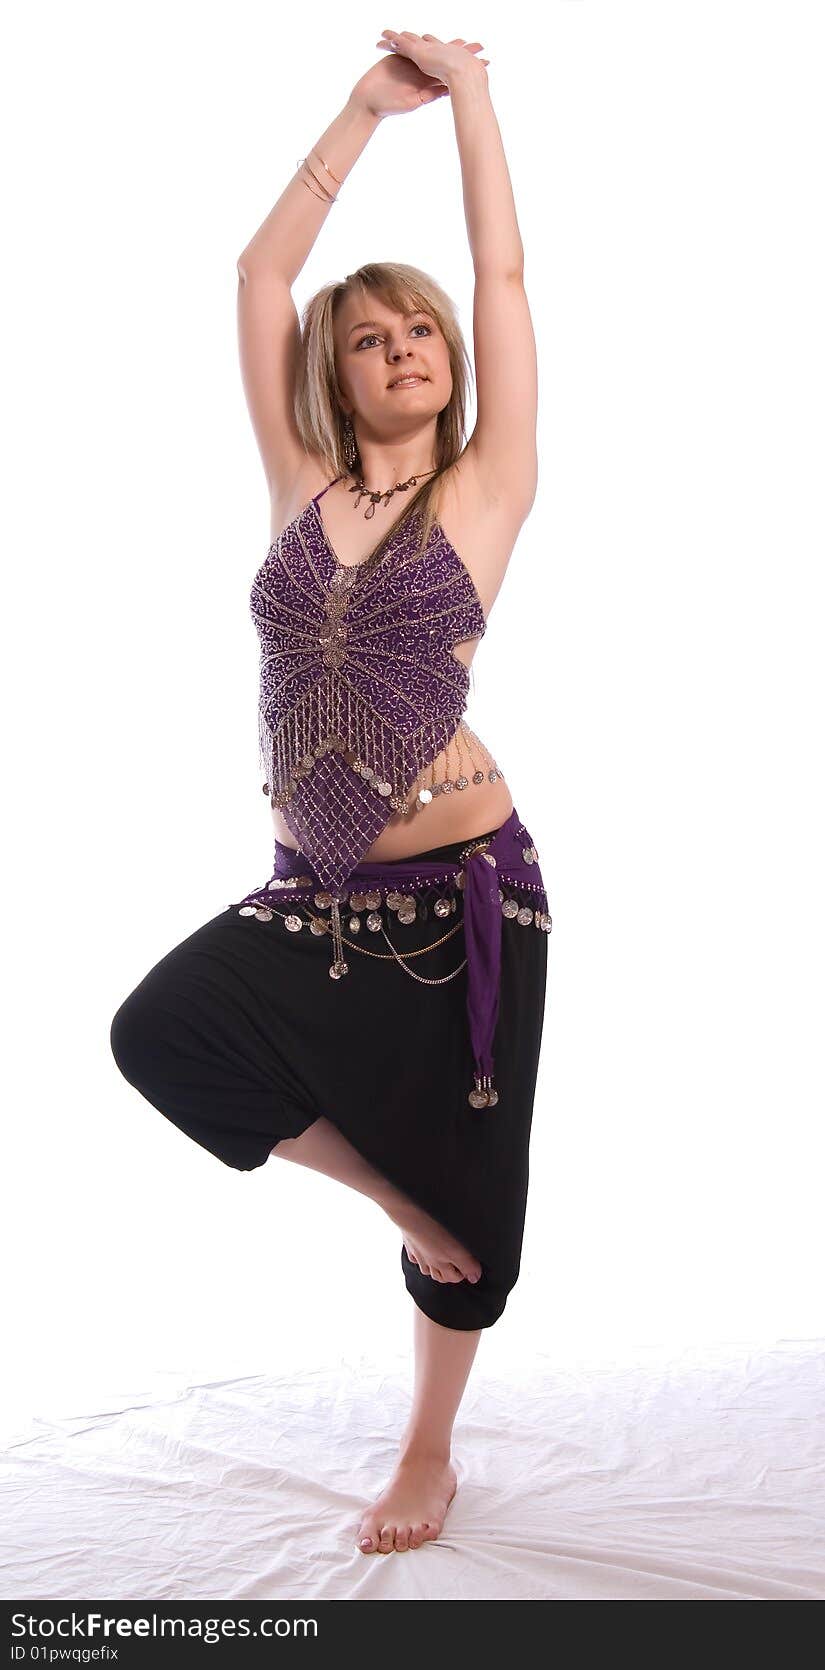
[364, 491]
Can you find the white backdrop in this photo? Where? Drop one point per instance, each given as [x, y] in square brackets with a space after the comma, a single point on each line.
[651, 681]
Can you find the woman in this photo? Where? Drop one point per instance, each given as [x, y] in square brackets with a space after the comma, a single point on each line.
[383, 800]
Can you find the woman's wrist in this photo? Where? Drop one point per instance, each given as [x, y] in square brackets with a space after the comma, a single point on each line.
[360, 108]
[469, 73]
[340, 146]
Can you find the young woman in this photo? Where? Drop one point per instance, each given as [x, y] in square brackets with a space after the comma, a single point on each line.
[396, 837]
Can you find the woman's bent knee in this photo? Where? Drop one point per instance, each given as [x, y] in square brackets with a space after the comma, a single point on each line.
[130, 1037]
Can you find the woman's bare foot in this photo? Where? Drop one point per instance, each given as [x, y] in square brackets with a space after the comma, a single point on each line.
[323, 1148]
[412, 1507]
[429, 1244]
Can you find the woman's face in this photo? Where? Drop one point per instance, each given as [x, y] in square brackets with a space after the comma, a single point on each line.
[374, 345]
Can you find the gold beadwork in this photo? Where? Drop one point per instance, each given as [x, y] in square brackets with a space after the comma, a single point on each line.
[332, 714]
[460, 740]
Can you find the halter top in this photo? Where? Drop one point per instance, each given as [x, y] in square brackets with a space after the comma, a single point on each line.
[359, 689]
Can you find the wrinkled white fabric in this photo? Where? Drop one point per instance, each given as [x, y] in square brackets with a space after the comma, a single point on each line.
[694, 1474]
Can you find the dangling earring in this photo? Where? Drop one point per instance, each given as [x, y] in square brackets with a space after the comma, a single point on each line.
[350, 445]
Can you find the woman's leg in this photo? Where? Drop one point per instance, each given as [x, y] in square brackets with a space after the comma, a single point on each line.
[322, 1147]
[412, 1507]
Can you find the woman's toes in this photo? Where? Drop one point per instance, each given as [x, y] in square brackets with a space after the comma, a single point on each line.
[402, 1538]
[366, 1543]
[416, 1536]
[386, 1539]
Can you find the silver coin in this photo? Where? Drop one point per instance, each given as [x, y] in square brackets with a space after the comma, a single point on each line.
[509, 908]
[372, 900]
[263, 913]
[478, 1098]
[394, 899]
[462, 782]
[323, 900]
[478, 776]
[384, 788]
[247, 910]
[525, 915]
[316, 927]
[293, 923]
[442, 907]
[405, 915]
[355, 924]
[374, 921]
[527, 854]
[357, 901]
[492, 1098]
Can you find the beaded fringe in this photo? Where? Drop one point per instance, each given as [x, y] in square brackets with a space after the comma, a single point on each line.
[330, 717]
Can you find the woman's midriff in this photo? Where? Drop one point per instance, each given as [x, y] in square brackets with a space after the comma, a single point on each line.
[454, 816]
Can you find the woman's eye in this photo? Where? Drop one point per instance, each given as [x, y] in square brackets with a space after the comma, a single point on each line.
[373, 338]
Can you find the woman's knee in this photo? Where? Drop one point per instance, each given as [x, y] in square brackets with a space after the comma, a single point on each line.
[130, 1036]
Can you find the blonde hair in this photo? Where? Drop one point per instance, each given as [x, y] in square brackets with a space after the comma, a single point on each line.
[318, 411]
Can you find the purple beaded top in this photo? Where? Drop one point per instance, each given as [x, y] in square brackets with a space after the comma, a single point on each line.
[359, 688]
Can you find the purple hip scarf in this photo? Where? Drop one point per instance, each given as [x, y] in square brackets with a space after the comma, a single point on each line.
[499, 877]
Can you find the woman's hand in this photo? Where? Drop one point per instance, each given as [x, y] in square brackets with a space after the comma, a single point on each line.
[397, 84]
[440, 59]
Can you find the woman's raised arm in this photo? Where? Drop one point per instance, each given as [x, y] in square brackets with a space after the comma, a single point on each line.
[503, 442]
[268, 325]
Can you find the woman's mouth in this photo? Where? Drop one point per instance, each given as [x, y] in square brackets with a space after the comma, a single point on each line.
[408, 382]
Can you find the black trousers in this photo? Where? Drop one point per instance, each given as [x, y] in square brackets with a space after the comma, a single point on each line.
[239, 1037]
